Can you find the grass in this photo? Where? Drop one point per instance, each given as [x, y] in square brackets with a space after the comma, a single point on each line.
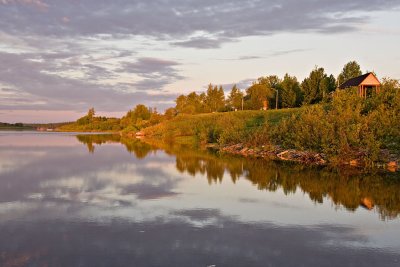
[223, 128]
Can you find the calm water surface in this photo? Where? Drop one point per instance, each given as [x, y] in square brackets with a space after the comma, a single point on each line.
[99, 200]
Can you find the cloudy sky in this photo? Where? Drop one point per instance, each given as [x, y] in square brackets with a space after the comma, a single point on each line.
[60, 57]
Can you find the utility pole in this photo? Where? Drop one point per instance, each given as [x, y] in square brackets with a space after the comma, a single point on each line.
[242, 102]
[277, 95]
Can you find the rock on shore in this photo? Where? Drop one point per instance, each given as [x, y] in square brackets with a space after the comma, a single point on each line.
[277, 153]
[304, 157]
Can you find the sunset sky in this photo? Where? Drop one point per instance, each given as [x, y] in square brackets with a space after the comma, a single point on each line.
[60, 57]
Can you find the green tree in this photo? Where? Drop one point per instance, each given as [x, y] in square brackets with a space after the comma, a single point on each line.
[291, 93]
[329, 86]
[136, 116]
[315, 86]
[203, 102]
[189, 104]
[235, 98]
[215, 98]
[256, 95]
[88, 118]
[350, 70]
[272, 83]
[194, 103]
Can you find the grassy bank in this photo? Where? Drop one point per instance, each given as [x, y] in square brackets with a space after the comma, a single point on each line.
[346, 128]
[95, 125]
[222, 128]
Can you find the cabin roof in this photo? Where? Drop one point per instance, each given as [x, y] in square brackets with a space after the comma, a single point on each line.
[357, 81]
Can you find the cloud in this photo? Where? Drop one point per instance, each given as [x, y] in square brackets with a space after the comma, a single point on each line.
[287, 52]
[41, 5]
[40, 89]
[150, 67]
[74, 54]
[269, 55]
[156, 73]
[243, 84]
[188, 22]
[202, 42]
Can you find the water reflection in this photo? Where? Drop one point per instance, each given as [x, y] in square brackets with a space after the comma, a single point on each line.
[351, 190]
[134, 203]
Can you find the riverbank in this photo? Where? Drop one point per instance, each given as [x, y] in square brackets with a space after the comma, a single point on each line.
[346, 132]
[309, 158]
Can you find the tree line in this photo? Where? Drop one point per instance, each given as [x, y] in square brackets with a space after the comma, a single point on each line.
[269, 91]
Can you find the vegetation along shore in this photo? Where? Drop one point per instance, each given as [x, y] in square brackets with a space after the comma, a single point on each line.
[312, 122]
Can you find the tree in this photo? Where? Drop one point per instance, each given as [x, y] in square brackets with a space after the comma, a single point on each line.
[88, 118]
[190, 104]
[194, 103]
[235, 98]
[329, 86]
[141, 112]
[257, 94]
[291, 94]
[215, 98]
[350, 70]
[181, 102]
[170, 113]
[136, 116]
[315, 86]
[272, 82]
[91, 113]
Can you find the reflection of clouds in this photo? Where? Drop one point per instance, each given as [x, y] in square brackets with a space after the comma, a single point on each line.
[29, 139]
[248, 200]
[199, 214]
[165, 241]
[121, 185]
[68, 174]
[199, 217]
[8, 158]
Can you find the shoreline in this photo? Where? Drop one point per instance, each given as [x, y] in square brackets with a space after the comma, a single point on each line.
[306, 158]
[277, 153]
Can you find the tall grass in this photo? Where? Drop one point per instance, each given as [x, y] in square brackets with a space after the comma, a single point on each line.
[221, 128]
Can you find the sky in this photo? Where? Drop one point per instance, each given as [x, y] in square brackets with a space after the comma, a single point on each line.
[58, 58]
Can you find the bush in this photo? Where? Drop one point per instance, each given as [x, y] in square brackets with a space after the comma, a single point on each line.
[346, 126]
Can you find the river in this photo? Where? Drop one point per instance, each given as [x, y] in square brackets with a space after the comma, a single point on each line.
[101, 200]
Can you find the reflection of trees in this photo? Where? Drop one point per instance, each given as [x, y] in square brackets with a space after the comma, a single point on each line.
[135, 146]
[140, 149]
[97, 139]
[347, 189]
